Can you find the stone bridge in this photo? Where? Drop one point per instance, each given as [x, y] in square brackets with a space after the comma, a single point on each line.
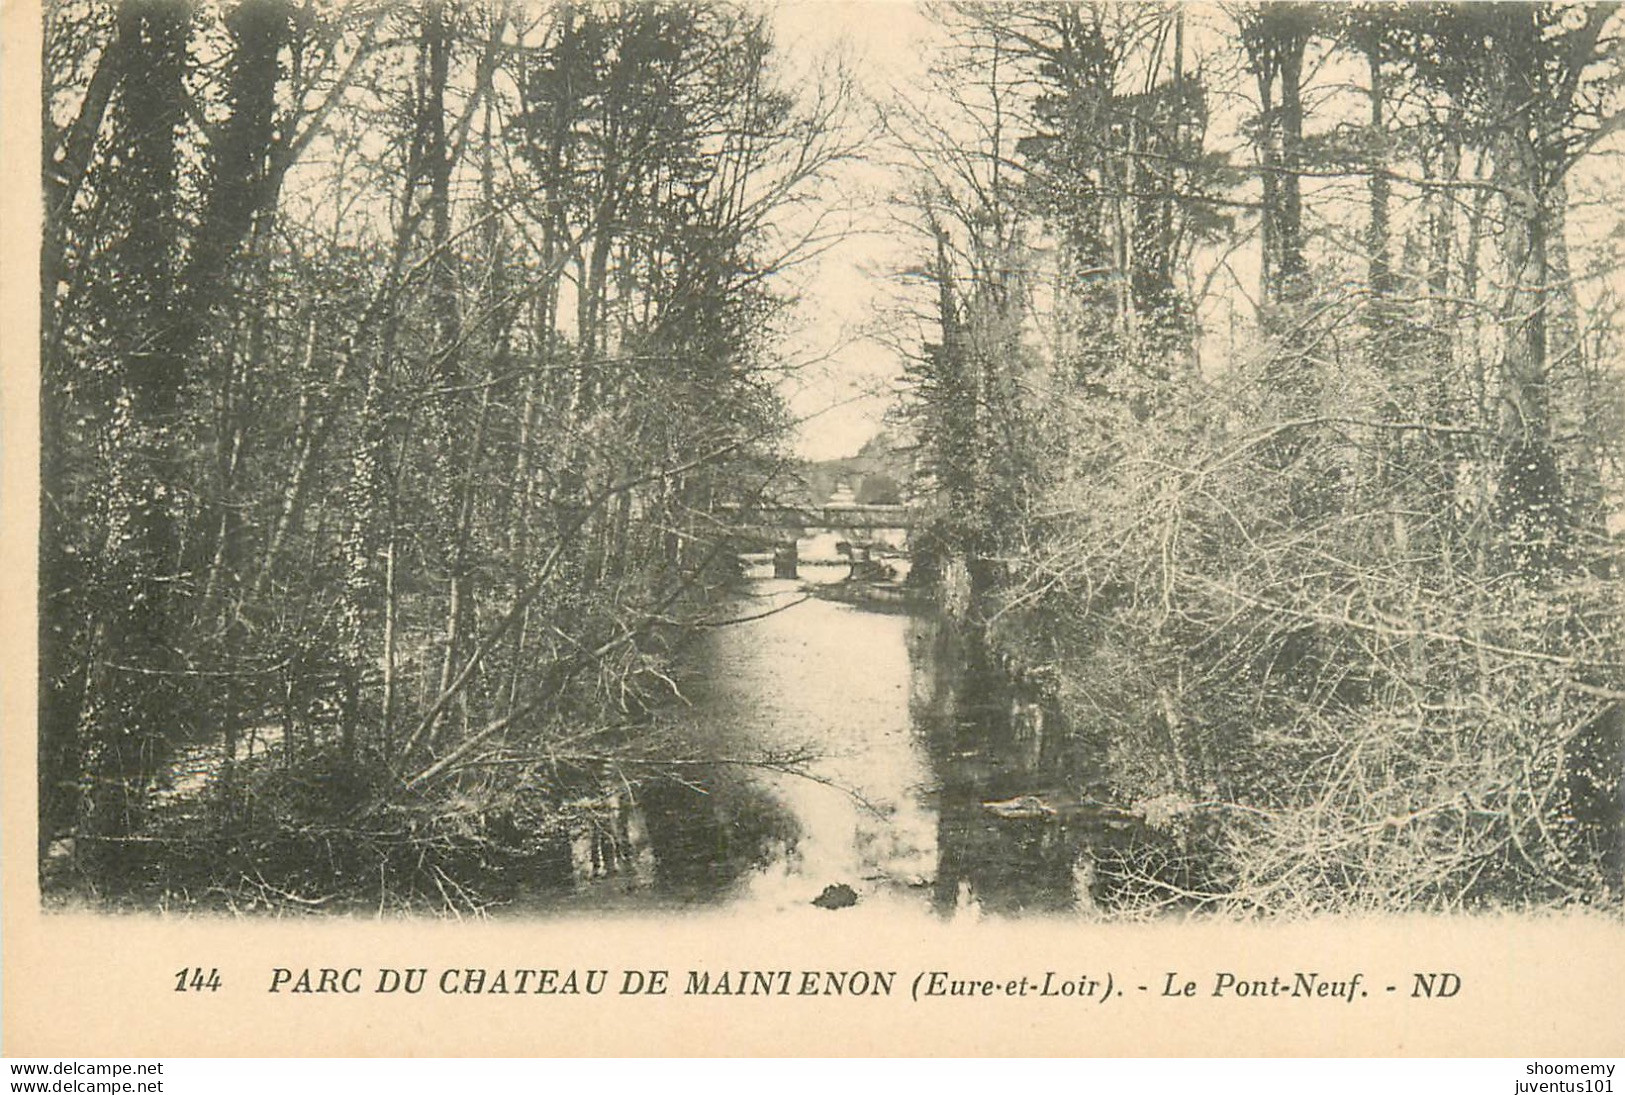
[853, 516]
[782, 528]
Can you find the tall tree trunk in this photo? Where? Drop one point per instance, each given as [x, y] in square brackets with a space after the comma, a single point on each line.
[1276, 36]
[1379, 272]
[1531, 491]
[144, 707]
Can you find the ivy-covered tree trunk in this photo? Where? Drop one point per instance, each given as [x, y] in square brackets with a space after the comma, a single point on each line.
[139, 686]
[1531, 494]
[1276, 36]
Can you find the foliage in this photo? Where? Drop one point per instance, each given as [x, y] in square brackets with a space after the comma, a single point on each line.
[1329, 597]
[396, 360]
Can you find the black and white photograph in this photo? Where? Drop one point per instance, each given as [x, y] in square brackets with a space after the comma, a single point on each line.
[830, 467]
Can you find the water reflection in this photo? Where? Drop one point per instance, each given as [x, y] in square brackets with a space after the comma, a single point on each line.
[693, 840]
[1015, 833]
[936, 783]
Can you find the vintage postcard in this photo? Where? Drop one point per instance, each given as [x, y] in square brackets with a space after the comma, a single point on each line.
[814, 528]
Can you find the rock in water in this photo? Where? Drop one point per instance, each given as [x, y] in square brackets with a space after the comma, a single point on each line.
[837, 896]
[1022, 807]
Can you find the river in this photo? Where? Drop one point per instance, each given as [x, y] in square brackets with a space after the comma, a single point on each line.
[919, 781]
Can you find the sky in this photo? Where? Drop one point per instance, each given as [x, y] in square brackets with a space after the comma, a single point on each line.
[848, 380]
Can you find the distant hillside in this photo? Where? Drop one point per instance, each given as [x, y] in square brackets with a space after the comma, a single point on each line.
[878, 474]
